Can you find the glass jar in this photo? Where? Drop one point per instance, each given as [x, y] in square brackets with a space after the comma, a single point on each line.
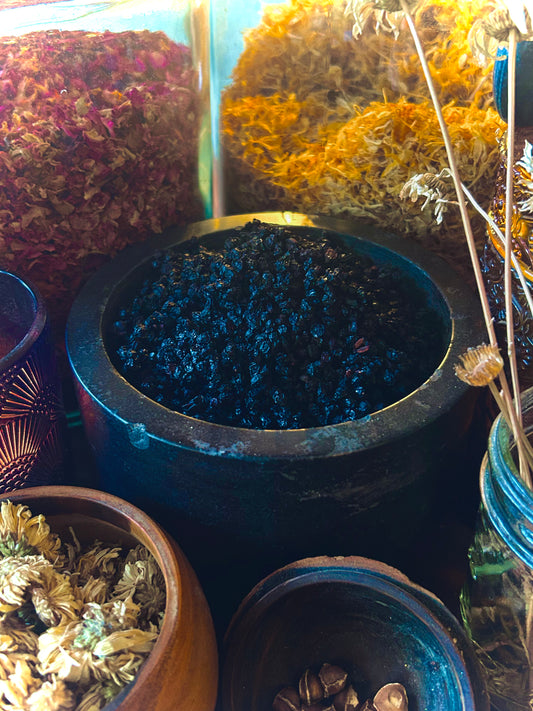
[497, 599]
[312, 117]
[102, 123]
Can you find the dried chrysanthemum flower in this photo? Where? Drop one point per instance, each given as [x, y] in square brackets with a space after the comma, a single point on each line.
[57, 655]
[98, 695]
[142, 580]
[118, 668]
[480, 365]
[53, 695]
[17, 574]
[92, 590]
[121, 614]
[435, 188]
[133, 640]
[53, 598]
[99, 561]
[18, 686]
[16, 636]
[21, 533]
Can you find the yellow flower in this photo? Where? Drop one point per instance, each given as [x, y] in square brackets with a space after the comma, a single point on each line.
[143, 581]
[16, 576]
[93, 590]
[135, 640]
[98, 561]
[18, 686]
[57, 654]
[21, 533]
[52, 695]
[53, 598]
[480, 365]
[98, 695]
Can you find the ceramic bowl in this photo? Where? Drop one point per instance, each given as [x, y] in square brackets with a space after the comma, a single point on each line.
[359, 614]
[182, 668]
[254, 500]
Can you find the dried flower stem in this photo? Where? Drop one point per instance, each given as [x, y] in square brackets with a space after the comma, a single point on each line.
[506, 397]
[514, 259]
[509, 204]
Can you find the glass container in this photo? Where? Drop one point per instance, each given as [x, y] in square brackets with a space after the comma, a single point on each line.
[321, 107]
[497, 599]
[102, 134]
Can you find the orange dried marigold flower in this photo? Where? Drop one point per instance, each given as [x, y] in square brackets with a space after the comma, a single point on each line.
[480, 365]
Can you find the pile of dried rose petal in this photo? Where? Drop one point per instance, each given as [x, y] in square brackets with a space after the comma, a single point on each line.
[98, 148]
[76, 623]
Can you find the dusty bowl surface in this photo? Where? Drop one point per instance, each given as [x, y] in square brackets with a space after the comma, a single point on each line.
[359, 614]
[257, 499]
[182, 668]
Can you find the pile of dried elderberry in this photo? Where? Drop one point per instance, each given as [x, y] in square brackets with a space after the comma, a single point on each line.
[278, 329]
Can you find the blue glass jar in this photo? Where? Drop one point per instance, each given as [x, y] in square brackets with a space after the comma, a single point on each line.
[497, 599]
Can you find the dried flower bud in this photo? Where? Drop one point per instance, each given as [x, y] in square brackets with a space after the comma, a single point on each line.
[346, 700]
[480, 365]
[333, 679]
[287, 700]
[391, 697]
[310, 687]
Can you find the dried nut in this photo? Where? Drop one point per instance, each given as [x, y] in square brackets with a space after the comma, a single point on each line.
[391, 697]
[310, 687]
[346, 700]
[333, 679]
[287, 700]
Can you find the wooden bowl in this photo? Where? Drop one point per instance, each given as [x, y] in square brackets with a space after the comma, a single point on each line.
[182, 669]
[359, 614]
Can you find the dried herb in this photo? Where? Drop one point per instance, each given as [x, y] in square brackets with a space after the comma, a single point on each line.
[317, 120]
[278, 328]
[98, 148]
[76, 623]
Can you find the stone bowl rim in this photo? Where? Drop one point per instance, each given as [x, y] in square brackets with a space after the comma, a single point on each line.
[96, 377]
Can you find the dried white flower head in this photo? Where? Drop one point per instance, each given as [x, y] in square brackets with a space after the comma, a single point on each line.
[387, 14]
[491, 32]
[436, 188]
[480, 365]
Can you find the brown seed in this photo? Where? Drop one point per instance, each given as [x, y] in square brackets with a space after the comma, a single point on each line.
[287, 700]
[333, 679]
[310, 687]
[391, 697]
[346, 700]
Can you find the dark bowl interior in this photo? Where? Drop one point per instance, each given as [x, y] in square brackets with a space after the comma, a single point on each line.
[378, 628]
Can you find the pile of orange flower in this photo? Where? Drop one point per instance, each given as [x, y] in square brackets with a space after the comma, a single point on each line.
[319, 121]
[98, 149]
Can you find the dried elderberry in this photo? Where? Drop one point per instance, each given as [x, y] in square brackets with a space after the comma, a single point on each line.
[278, 329]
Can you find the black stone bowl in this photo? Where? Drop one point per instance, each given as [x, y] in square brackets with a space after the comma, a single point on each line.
[365, 617]
[253, 500]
